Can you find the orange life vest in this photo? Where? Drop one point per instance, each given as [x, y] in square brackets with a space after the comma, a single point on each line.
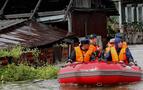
[107, 49]
[120, 57]
[82, 56]
[93, 48]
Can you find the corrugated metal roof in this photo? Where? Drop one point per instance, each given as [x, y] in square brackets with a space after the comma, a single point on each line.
[32, 34]
[8, 23]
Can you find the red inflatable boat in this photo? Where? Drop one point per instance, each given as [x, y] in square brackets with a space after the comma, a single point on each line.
[99, 73]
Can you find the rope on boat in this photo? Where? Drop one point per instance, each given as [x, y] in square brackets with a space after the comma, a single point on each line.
[99, 84]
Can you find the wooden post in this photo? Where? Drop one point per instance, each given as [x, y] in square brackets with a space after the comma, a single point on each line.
[120, 13]
[69, 50]
[2, 9]
[68, 8]
[69, 23]
[36, 8]
[85, 27]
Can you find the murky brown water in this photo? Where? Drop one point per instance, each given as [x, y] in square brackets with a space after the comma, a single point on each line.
[137, 51]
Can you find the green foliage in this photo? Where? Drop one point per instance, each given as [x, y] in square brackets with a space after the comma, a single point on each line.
[4, 53]
[24, 72]
[49, 72]
[112, 25]
[16, 51]
[135, 26]
[35, 52]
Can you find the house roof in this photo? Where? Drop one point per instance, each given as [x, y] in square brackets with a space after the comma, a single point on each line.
[31, 34]
[7, 23]
[40, 14]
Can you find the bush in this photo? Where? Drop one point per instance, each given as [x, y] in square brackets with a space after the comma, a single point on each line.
[4, 53]
[16, 51]
[112, 25]
[24, 72]
[49, 72]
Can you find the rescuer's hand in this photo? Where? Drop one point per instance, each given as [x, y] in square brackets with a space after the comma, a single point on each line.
[135, 62]
[121, 62]
[69, 60]
[99, 49]
[68, 63]
[131, 63]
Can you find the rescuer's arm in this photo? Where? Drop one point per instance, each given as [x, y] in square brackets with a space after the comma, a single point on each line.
[129, 55]
[108, 56]
[72, 57]
[98, 52]
[102, 56]
[92, 57]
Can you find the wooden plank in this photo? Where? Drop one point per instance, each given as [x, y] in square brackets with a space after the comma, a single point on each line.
[41, 14]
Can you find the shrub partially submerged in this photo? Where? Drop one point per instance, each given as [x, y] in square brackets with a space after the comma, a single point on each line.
[24, 72]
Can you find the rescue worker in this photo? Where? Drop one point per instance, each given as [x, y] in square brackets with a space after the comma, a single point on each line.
[97, 51]
[81, 53]
[118, 53]
[109, 45]
[119, 35]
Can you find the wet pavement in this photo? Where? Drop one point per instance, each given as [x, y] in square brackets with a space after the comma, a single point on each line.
[137, 51]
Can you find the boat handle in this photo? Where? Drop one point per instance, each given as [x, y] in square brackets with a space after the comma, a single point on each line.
[99, 84]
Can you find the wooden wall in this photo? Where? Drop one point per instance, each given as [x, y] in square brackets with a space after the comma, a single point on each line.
[89, 23]
[52, 55]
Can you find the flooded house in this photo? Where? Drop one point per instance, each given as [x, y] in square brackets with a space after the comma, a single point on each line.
[90, 16]
[22, 23]
[34, 35]
[45, 23]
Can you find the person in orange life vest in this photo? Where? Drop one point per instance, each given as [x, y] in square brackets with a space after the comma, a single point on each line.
[109, 45]
[119, 35]
[81, 53]
[94, 47]
[118, 53]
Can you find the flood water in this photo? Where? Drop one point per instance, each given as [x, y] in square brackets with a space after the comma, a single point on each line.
[137, 51]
